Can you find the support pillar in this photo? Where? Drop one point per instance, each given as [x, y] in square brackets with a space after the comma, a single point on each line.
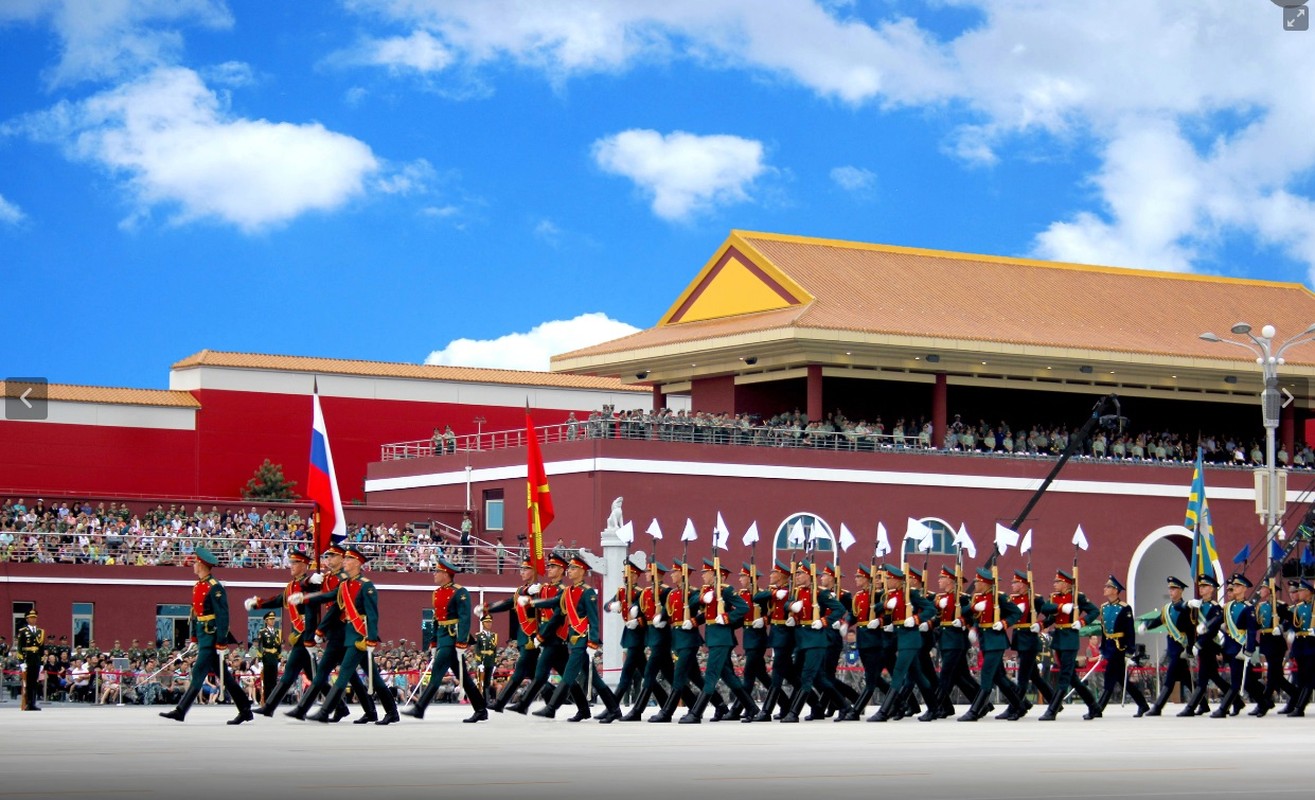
[614, 558]
[1287, 430]
[659, 398]
[815, 408]
[939, 404]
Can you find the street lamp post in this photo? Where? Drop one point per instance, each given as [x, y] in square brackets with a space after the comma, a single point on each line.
[1270, 359]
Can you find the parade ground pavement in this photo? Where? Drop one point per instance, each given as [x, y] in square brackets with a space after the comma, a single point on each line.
[108, 752]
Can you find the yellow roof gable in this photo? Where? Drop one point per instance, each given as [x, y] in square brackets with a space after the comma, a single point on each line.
[735, 281]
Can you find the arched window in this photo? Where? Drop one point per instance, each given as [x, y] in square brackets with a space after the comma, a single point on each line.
[816, 534]
[942, 540]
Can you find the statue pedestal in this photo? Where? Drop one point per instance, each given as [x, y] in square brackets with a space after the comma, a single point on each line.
[614, 558]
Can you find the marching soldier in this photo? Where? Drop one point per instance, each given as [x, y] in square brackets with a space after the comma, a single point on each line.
[527, 628]
[1240, 640]
[1176, 619]
[909, 615]
[578, 604]
[303, 618]
[926, 664]
[952, 608]
[869, 636]
[210, 634]
[1118, 638]
[757, 637]
[1026, 643]
[486, 653]
[657, 636]
[1066, 613]
[626, 603]
[451, 602]
[358, 605]
[814, 611]
[1303, 646]
[333, 634]
[1208, 616]
[1272, 614]
[681, 611]
[30, 644]
[778, 596]
[837, 632]
[269, 642]
[992, 615]
[551, 641]
[722, 612]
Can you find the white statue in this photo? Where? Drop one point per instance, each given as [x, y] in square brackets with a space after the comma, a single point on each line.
[614, 521]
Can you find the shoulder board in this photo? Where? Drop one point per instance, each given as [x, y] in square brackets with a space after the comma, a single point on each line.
[457, 586]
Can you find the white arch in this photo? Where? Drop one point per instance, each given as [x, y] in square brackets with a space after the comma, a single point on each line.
[1134, 563]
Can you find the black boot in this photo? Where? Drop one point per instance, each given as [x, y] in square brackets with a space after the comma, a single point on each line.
[863, 699]
[1197, 698]
[422, 702]
[977, 710]
[330, 703]
[748, 708]
[793, 714]
[695, 714]
[894, 699]
[664, 715]
[765, 713]
[636, 712]
[1224, 703]
[1299, 705]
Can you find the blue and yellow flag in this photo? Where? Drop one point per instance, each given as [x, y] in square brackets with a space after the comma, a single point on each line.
[1205, 558]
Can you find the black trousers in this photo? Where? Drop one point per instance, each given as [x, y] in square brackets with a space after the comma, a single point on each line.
[30, 683]
[447, 659]
[207, 662]
[1116, 676]
[526, 666]
[334, 653]
[1029, 674]
[632, 670]
[299, 663]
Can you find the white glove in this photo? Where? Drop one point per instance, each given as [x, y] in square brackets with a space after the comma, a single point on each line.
[687, 626]
[958, 623]
[818, 624]
[1196, 648]
[707, 597]
[909, 622]
[533, 588]
[892, 603]
[972, 635]
[781, 593]
[924, 627]
[1035, 627]
[1201, 629]
[632, 624]
[943, 602]
[319, 640]
[523, 600]
[838, 624]
[479, 609]
[295, 599]
[250, 603]
[1194, 603]
[759, 623]
[660, 622]
[790, 623]
[889, 628]
[22, 668]
[1076, 624]
[634, 612]
[720, 620]
[316, 579]
[1141, 627]
[979, 606]
[998, 626]
[873, 624]
[1242, 655]
[1290, 636]
[797, 606]
[609, 606]
[1067, 608]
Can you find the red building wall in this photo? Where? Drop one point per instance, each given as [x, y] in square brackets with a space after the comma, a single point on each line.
[85, 459]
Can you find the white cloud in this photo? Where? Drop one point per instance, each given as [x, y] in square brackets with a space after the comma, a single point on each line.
[853, 179]
[416, 177]
[175, 144]
[547, 230]
[532, 350]
[419, 52]
[683, 173]
[10, 214]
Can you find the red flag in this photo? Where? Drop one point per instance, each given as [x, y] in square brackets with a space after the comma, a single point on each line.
[539, 500]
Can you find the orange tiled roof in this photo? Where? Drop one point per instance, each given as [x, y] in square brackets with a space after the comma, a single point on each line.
[74, 393]
[883, 289]
[388, 369]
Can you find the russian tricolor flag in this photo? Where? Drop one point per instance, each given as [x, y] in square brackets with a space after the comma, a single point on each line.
[322, 484]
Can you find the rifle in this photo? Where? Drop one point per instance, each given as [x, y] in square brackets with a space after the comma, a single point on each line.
[753, 589]
[817, 607]
[716, 568]
[908, 591]
[684, 581]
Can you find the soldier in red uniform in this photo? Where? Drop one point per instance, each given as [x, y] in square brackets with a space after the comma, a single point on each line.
[551, 641]
[778, 596]
[303, 617]
[626, 603]
[527, 629]
[451, 603]
[869, 636]
[657, 637]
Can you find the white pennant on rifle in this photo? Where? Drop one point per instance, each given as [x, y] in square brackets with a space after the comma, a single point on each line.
[919, 532]
[847, 539]
[626, 532]
[964, 542]
[688, 535]
[751, 535]
[654, 529]
[1027, 542]
[1005, 538]
[796, 537]
[1080, 539]
[721, 535]
[883, 540]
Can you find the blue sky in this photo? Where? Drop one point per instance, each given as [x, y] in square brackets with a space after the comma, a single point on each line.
[404, 180]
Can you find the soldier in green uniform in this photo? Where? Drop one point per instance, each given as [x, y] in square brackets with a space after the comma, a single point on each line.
[210, 634]
[550, 640]
[814, 610]
[117, 651]
[269, 643]
[657, 638]
[1067, 613]
[358, 604]
[486, 654]
[828, 578]
[1026, 642]
[680, 611]
[527, 629]
[910, 615]
[1118, 638]
[303, 618]
[756, 635]
[869, 636]
[779, 595]
[135, 652]
[1175, 618]
[451, 603]
[30, 642]
[722, 613]
[626, 603]
[992, 615]
[952, 609]
[579, 607]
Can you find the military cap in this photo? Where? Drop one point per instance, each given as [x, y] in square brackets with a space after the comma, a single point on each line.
[676, 563]
[1207, 580]
[1293, 583]
[1238, 579]
[633, 563]
[945, 573]
[709, 565]
[31, 614]
[354, 551]
[527, 563]
[1306, 585]
[1061, 575]
[864, 569]
[334, 549]
[448, 566]
[270, 616]
[1113, 583]
[984, 574]
[748, 569]
[658, 567]
[557, 559]
[894, 571]
[205, 556]
[578, 561]
[829, 568]
[1174, 581]
[299, 555]
[1020, 575]
[781, 566]
[914, 572]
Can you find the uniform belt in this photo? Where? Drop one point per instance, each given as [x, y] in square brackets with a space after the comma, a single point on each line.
[780, 621]
[268, 650]
[1306, 633]
[447, 623]
[205, 617]
[30, 649]
[1113, 636]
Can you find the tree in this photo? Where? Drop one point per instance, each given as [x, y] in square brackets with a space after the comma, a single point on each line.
[268, 483]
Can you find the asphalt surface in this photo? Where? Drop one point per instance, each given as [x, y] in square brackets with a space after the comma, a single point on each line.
[106, 751]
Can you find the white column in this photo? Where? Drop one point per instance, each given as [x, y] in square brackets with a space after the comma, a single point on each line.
[614, 557]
